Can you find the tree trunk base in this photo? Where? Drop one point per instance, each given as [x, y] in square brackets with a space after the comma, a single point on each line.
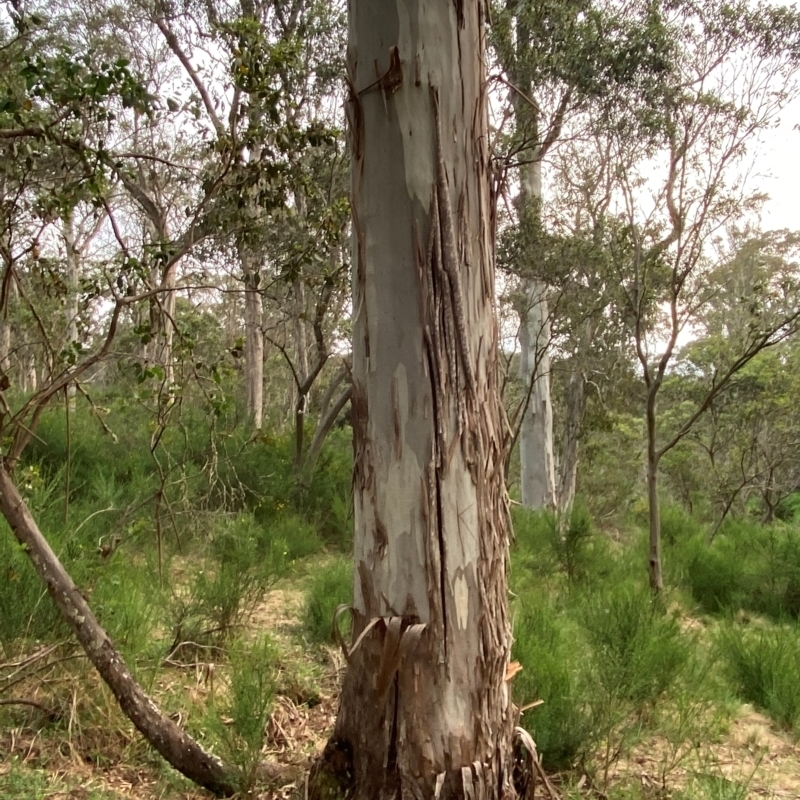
[331, 777]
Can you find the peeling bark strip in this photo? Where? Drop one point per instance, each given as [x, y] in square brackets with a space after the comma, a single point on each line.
[174, 744]
[425, 708]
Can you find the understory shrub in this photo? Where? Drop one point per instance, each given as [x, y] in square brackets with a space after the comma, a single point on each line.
[747, 566]
[548, 544]
[639, 650]
[241, 719]
[331, 585]
[240, 562]
[764, 665]
[551, 650]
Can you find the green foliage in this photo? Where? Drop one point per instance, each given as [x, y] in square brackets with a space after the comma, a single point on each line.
[242, 718]
[713, 574]
[547, 545]
[715, 787]
[677, 525]
[243, 524]
[330, 586]
[612, 456]
[289, 536]
[258, 474]
[241, 563]
[748, 566]
[640, 649]
[550, 648]
[28, 612]
[533, 557]
[604, 661]
[788, 509]
[570, 539]
[763, 665]
[126, 602]
[638, 656]
[327, 497]
[23, 782]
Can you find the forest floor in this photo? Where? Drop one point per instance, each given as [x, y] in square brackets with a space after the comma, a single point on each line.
[64, 760]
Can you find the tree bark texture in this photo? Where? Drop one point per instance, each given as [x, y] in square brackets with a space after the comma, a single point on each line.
[537, 459]
[324, 425]
[654, 554]
[253, 340]
[568, 463]
[573, 422]
[5, 344]
[425, 708]
[162, 321]
[71, 305]
[6, 324]
[174, 744]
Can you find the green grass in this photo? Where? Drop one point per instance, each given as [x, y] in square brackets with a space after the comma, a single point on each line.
[764, 665]
[241, 720]
[611, 667]
[23, 782]
[330, 585]
[550, 647]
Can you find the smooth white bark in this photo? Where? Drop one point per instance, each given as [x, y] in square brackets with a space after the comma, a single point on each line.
[536, 450]
[537, 460]
[426, 710]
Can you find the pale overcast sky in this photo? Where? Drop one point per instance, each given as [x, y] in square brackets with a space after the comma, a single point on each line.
[777, 172]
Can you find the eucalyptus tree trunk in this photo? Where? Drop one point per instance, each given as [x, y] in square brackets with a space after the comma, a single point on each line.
[253, 339]
[6, 324]
[11, 287]
[302, 387]
[5, 343]
[537, 460]
[29, 374]
[536, 451]
[163, 320]
[654, 551]
[159, 349]
[425, 707]
[573, 422]
[568, 462]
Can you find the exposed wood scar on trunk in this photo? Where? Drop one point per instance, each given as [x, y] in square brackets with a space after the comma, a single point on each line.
[433, 287]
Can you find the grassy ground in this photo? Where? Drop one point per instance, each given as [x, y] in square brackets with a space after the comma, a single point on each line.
[87, 750]
[90, 752]
[221, 596]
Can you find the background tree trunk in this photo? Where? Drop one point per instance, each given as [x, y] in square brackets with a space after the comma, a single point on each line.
[573, 422]
[537, 461]
[425, 707]
[654, 557]
[568, 463]
[253, 339]
[6, 327]
[164, 309]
